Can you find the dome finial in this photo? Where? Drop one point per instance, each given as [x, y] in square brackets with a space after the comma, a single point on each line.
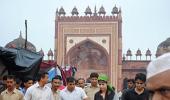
[88, 11]
[62, 11]
[148, 52]
[41, 52]
[102, 10]
[95, 11]
[57, 11]
[20, 35]
[115, 10]
[50, 53]
[74, 11]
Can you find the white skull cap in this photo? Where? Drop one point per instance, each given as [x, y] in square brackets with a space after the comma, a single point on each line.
[158, 65]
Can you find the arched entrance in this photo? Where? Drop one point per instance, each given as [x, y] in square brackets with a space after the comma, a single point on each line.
[88, 56]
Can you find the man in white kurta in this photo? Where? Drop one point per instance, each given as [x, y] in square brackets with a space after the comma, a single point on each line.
[39, 91]
[77, 94]
[71, 92]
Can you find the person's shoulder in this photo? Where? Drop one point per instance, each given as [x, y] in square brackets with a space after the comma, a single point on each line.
[47, 87]
[146, 91]
[126, 92]
[129, 90]
[90, 87]
[31, 87]
[87, 88]
[3, 92]
[63, 93]
[97, 94]
[111, 92]
[18, 91]
[63, 90]
[78, 89]
[1, 97]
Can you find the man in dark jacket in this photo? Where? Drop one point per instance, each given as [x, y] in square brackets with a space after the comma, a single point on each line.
[139, 92]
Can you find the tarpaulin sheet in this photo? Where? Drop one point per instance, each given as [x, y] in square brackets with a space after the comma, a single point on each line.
[20, 62]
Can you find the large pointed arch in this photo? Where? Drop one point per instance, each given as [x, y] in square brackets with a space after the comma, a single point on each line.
[88, 56]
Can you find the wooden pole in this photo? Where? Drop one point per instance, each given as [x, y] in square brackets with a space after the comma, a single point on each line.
[25, 34]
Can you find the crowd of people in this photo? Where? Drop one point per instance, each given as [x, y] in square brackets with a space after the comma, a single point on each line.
[98, 89]
[153, 86]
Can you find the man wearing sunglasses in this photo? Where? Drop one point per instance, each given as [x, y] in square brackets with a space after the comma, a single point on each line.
[158, 78]
[139, 92]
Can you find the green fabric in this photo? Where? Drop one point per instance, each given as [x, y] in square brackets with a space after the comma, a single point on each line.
[110, 88]
[103, 77]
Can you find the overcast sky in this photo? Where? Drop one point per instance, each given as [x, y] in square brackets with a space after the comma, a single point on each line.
[146, 23]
